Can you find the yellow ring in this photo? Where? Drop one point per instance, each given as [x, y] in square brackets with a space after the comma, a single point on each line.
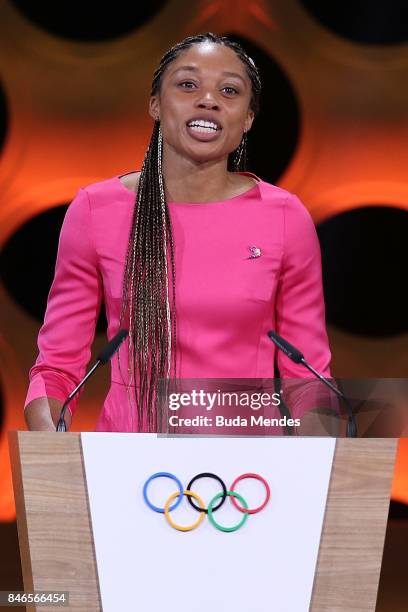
[180, 527]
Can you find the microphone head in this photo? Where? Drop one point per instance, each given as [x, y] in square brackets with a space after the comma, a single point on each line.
[283, 345]
[110, 349]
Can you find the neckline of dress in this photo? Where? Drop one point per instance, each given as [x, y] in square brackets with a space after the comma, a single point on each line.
[245, 194]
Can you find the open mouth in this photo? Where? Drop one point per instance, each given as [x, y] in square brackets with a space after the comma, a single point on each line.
[203, 126]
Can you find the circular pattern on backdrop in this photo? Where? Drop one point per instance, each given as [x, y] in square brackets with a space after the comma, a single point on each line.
[398, 510]
[364, 262]
[376, 22]
[4, 118]
[27, 262]
[274, 135]
[89, 22]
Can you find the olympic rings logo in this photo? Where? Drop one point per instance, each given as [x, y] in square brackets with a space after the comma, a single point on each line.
[213, 506]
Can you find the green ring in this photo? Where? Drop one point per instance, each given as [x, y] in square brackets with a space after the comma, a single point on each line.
[214, 522]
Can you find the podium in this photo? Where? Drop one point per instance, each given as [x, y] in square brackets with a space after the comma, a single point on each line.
[53, 479]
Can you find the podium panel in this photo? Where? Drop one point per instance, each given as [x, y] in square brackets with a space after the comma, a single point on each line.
[268, 564]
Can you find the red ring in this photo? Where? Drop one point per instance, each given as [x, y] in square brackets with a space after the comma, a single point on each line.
[268, 493]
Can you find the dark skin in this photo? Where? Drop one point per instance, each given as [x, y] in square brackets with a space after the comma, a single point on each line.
[42, 414]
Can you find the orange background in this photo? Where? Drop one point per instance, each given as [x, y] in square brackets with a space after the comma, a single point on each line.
[78, 115]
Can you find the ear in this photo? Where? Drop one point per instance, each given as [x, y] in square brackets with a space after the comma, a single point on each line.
[248, 121]
[154, 107]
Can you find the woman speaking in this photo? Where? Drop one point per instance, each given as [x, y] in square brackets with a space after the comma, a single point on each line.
[197, 258]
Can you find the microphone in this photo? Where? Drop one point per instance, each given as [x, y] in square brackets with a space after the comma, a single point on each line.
[104, 356]
[289, 350]
[110, 349]
[297, 357]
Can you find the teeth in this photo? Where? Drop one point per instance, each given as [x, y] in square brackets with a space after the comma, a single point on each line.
[200, 123]
[203, 130]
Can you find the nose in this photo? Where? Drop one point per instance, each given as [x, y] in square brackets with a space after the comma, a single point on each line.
[207, 101]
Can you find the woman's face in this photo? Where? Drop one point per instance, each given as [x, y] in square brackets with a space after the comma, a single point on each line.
[203, 103]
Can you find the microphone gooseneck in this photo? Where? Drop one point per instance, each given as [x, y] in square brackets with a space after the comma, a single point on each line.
[297, 357]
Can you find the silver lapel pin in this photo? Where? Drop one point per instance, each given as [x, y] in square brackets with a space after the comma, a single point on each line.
[255, 252]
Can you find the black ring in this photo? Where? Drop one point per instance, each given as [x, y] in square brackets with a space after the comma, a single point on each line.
[207, 475]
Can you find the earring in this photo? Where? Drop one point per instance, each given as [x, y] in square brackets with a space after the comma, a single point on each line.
[241, 154]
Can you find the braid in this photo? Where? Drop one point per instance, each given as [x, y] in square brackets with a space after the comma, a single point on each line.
[149, 296]
[146, 285]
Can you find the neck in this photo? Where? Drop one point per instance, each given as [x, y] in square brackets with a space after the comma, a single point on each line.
[189, 181]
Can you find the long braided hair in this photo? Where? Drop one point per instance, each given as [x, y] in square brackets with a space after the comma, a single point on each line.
[149, 296]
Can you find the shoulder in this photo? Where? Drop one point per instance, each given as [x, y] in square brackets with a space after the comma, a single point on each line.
[298, 228]
[272, 193]
[111, 190]
[292, 205]
[130, 180]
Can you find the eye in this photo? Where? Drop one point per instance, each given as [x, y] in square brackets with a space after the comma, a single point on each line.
[230, 90]
[187, 84]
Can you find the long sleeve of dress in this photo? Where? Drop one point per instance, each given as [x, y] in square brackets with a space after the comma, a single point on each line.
[65, 338]
[300, 312]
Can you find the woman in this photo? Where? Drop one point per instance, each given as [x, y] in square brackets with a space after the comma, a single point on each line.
[197, 258]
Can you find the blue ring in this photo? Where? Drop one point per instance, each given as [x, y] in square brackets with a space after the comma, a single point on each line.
[165, 475]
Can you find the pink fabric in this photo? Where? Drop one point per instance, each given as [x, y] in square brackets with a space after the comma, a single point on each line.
[226, 301]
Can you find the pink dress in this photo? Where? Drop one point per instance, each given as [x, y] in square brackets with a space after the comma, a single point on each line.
[226, 300]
